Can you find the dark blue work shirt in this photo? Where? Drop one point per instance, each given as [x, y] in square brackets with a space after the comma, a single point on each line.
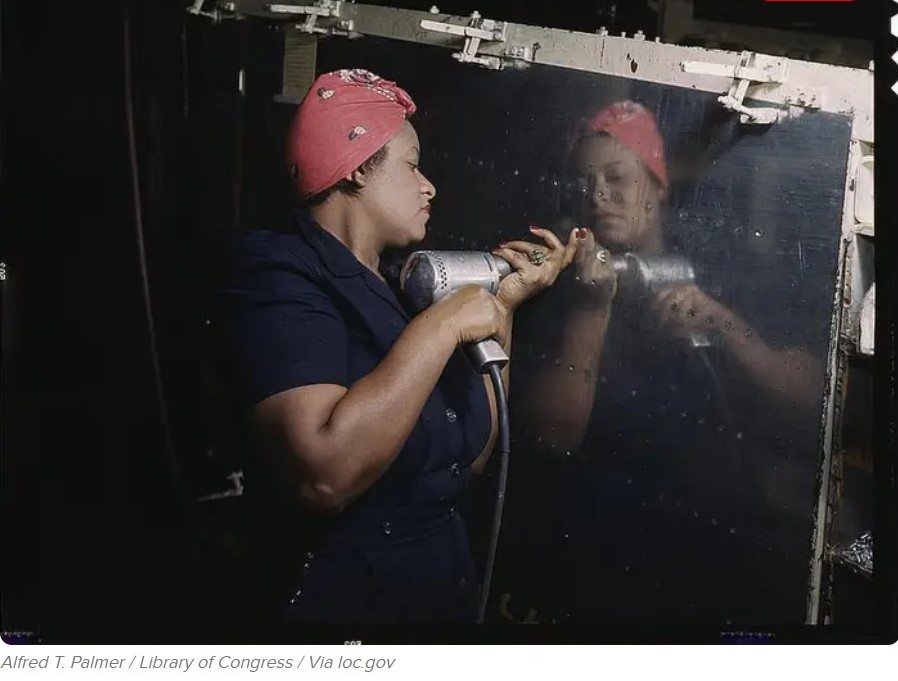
[300, 309]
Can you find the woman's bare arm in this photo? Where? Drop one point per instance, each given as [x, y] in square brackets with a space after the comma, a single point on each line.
[329, 443]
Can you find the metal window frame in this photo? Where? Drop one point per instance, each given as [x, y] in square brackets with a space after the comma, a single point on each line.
[824, 87]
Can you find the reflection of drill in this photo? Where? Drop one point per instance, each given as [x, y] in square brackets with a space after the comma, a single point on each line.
[650, 274]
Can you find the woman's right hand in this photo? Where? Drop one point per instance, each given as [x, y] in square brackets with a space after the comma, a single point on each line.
[593, 271]
[474, 314]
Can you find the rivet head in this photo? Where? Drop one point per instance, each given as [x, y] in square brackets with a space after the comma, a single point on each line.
[387, 528]
[455, 470]
[451, 416]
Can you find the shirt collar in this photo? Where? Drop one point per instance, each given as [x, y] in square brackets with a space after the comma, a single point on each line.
[338, 259]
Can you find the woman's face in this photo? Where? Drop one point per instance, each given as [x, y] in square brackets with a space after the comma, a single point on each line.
[397, 195]
[622, 198]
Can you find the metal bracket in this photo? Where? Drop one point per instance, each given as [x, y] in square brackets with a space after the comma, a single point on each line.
[867, 323]
[325, 9]
[478, 29]
[221, 11]
[235, 490]
[522, 54]
[863, 192]
[753, 69]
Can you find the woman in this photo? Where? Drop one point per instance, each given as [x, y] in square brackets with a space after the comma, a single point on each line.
[367, 421]
[621, 158]
[648, 432]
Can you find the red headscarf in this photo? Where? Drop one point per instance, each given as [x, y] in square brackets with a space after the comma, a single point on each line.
[344, 119]
[634, 126]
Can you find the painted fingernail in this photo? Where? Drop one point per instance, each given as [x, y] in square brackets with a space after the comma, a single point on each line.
[535, 228]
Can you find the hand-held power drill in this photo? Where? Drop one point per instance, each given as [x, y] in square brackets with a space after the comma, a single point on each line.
[429, 276]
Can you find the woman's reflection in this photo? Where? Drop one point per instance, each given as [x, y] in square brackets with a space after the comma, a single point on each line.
[620, 165]
[639, 520]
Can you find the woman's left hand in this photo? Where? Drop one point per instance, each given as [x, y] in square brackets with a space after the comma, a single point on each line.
[686, 309]
[536, 267]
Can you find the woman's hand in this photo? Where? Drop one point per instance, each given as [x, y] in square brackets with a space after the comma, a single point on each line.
[791, 375]
[536, 267]
[473, 314]
[684, 310]
[593, 271]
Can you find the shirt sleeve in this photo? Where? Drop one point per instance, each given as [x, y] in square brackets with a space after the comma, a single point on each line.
[280, 331]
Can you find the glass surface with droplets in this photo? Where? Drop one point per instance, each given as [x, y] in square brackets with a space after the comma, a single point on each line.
[658, 479]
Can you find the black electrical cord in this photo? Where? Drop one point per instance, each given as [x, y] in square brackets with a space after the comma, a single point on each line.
[504, 451]
[142, 257]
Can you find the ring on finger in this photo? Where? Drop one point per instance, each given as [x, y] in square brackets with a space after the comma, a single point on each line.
[602, 256]
[537, 256]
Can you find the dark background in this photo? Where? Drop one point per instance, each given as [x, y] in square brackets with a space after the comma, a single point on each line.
[100, 533]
